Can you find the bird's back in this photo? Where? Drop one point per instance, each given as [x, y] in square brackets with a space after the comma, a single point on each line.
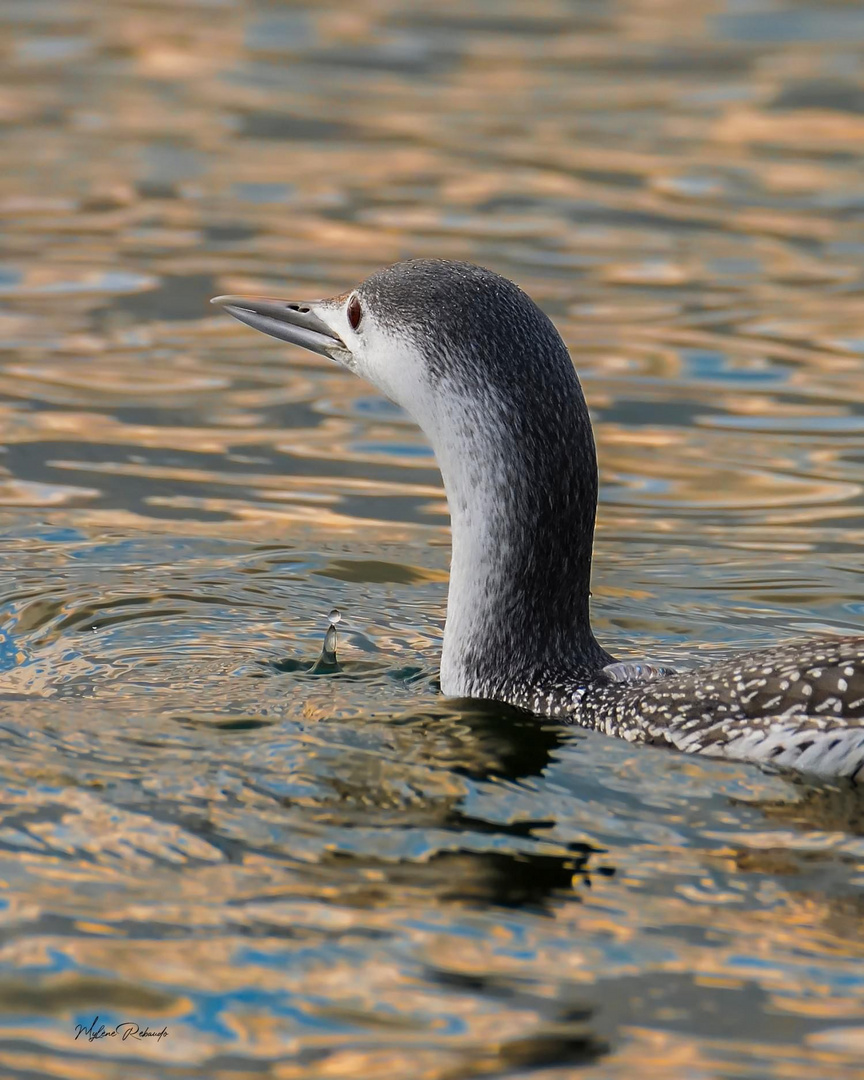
[798, 705]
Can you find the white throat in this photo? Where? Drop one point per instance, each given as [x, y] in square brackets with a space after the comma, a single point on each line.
[471, 456]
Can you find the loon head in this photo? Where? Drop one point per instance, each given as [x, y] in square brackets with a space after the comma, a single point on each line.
[487, 377]
[428, 333]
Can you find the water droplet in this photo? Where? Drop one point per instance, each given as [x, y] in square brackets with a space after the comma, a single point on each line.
[327, 662]
[335, 616]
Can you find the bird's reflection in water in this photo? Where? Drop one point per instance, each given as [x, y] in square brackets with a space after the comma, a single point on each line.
[467, 863]
[480, 741]
[565, 1036]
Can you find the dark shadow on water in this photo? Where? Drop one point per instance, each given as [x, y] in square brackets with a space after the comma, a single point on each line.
[565, 1037]
[521, 743]
[475, 879]
[240, 723]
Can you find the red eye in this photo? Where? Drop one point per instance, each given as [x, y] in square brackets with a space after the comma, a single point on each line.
[355, 312]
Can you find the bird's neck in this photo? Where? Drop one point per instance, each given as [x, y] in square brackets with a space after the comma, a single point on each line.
[520, 474]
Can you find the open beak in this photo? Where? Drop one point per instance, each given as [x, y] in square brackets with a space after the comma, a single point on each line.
[296, 323]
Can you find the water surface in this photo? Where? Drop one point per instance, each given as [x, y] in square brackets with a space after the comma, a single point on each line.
[346, 876]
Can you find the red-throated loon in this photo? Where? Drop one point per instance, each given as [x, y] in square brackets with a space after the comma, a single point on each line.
[487, 377]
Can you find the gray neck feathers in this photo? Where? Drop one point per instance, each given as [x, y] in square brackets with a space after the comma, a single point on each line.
[520, 472]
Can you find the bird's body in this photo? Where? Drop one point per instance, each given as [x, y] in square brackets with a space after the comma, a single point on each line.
[799, 705]
[486, 375]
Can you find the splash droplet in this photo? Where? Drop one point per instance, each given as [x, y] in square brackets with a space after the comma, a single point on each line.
[327, 662]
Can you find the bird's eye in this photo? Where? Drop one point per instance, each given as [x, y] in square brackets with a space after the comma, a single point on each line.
[355, 312]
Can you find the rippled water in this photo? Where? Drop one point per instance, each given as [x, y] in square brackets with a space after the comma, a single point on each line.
[303, 876]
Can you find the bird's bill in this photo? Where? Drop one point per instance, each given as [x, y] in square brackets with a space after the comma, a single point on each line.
[294, 322]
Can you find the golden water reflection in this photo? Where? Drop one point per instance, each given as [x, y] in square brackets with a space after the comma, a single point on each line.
[346, 876]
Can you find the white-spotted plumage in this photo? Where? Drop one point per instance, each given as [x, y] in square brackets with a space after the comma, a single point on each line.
[485, 374]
